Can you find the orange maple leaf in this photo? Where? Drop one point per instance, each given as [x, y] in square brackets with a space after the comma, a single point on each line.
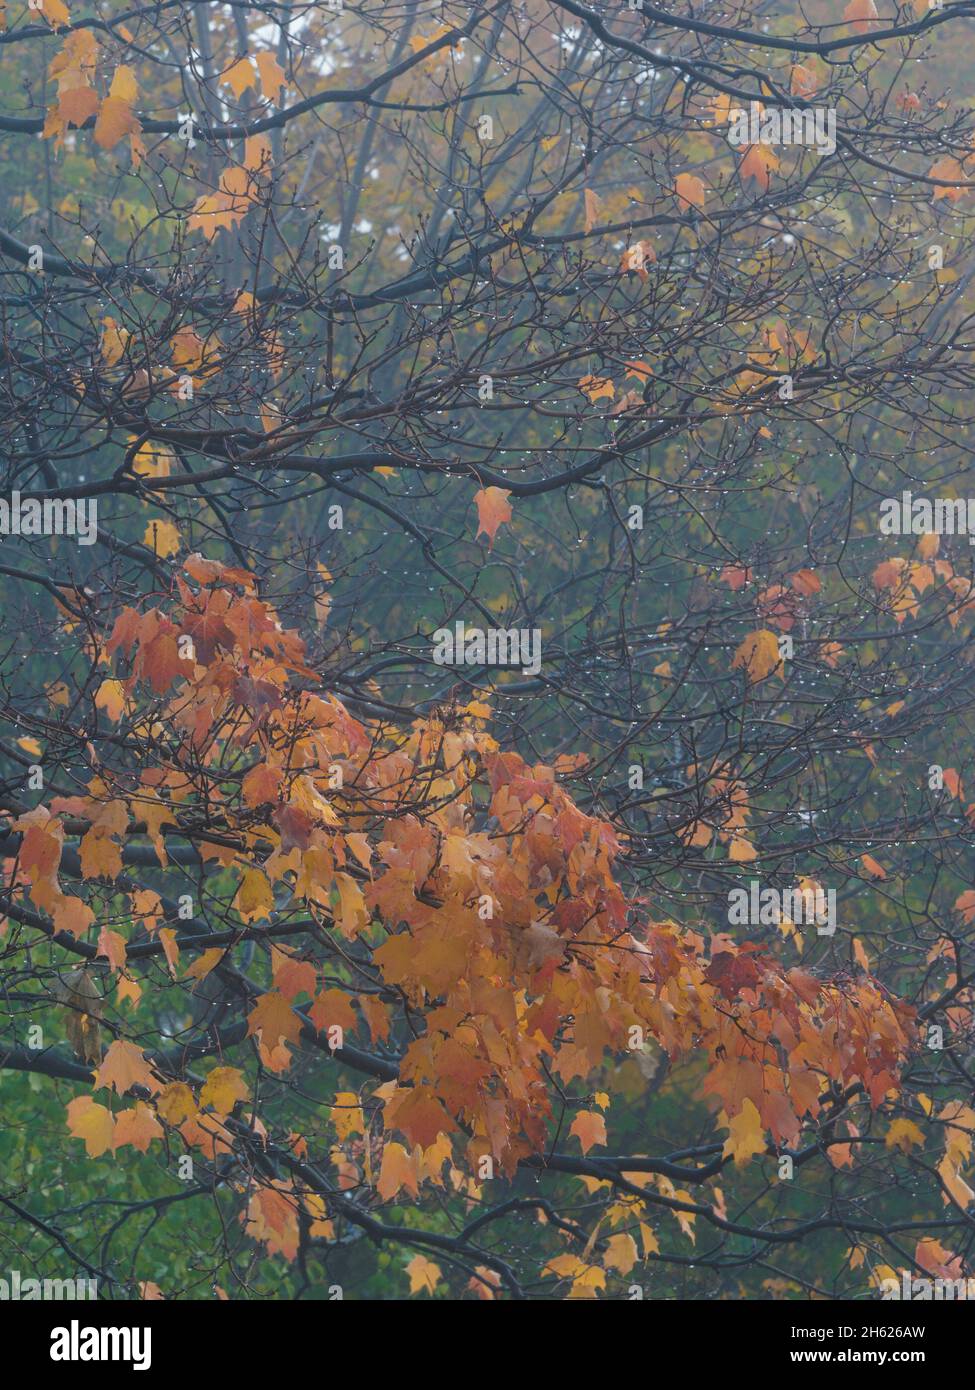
[689, 190]
[493, 510]
[123, 1067]
[274, 1018]
[589, 1127]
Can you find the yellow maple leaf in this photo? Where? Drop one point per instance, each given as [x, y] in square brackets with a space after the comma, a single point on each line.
[595, 387]
[116, 119]
[758, 655]
[176, 1103]
[621, 1253]
[56, 13]
[271, 74]
[240, 76]
[124, 85]
[747, 1134]
[93, 1123]
[424, 1274]
[347, 1116]
[254, 899]
[113, 341]
[162, 537]
[904, 1134]
[223, 1088]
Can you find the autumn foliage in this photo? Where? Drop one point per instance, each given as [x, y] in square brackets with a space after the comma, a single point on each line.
[328, 963]
[420, 880]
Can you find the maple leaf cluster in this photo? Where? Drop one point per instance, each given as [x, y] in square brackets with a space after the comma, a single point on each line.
[456, 889]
